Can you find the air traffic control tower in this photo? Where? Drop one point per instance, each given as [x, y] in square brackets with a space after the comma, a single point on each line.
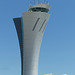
[30, 28]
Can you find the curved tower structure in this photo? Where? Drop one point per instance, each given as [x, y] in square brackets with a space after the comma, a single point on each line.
[30, 28]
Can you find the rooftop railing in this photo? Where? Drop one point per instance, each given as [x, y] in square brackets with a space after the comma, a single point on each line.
[35, 2]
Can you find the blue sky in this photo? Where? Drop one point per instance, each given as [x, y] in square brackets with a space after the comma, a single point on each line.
[57, 54]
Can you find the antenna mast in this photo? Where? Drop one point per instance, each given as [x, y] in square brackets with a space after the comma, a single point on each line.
[44, 1]
[34, 2]
[38, 1]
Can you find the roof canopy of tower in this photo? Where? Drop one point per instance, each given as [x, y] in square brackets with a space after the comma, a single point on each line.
[39, 8]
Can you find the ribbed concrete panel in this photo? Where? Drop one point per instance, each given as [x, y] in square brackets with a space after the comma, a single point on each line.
[33, 26]
[18, 26]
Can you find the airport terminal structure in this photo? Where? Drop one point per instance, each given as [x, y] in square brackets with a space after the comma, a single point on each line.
[30, 29]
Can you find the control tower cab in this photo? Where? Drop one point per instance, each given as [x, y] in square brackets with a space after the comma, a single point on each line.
[39, 8]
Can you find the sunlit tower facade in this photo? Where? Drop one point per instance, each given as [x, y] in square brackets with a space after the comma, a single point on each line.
[30, 28]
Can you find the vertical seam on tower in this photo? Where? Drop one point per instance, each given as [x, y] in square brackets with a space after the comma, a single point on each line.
[42, 25]
[35, 24]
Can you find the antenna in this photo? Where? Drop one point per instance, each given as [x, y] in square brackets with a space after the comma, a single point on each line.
[30, 2]
[44, 1]
[38, 1]
[34, 2]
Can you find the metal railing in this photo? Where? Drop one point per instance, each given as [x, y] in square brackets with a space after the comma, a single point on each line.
[34, 2]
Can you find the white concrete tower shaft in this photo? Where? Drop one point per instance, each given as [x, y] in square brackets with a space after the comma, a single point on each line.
[30, 31]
